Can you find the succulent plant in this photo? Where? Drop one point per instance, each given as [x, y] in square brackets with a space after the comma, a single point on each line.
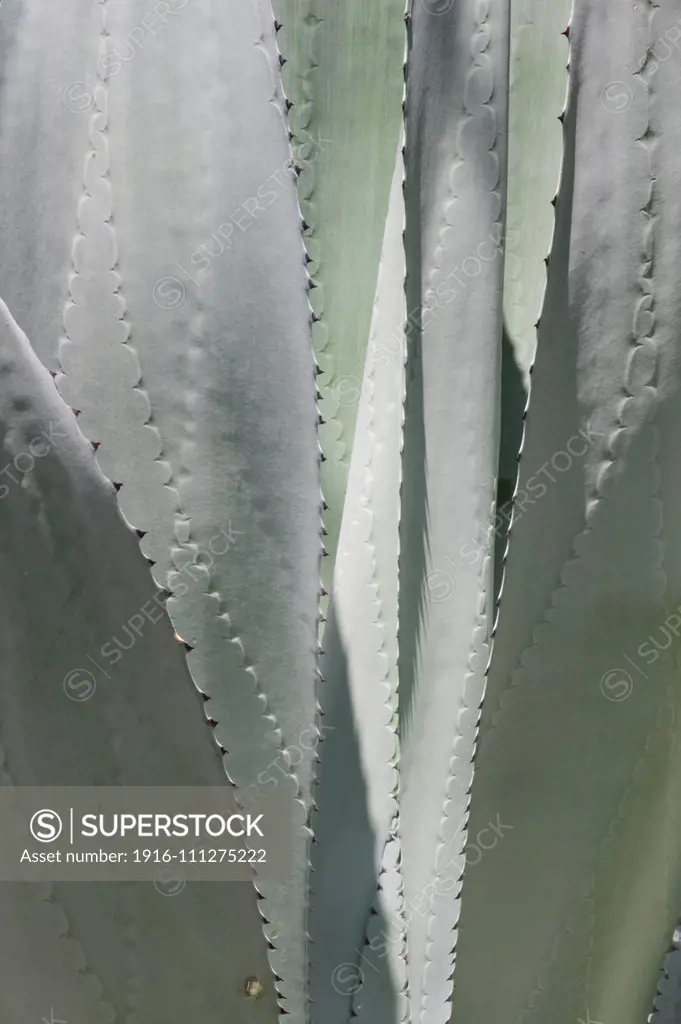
[340, 414]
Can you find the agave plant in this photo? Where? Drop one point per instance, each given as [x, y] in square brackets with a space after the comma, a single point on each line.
[347, 340]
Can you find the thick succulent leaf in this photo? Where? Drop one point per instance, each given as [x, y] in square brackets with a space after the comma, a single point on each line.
[579, 771]
[539, 50]
[47, 55]
[344, 77]
[382, 992]
[90, 697]
[187, 349]
[457, 80]
[667, 1004]
[548, 496]
[358, 694]
[538, 79]
[382, 984]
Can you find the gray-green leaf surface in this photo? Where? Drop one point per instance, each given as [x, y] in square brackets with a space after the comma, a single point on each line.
[82, 705]
[344, 77]
[186, 347]
[457, 92]
[574, 903]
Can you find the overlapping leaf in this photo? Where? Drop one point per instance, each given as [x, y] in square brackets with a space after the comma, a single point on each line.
[579, 757]
[186, 347]
[344, 78]
[82, 705]
[457, 84]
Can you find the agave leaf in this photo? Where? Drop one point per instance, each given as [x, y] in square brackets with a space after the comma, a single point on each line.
[382, 994]
[187, 350]
[46, 94]
[548, 495]
[667, 1005]
[457, 81]
[343, 74]
[580, 761]
[74, 578]
[539, 51]
[538, 78]
[382, 980]
[358, 694]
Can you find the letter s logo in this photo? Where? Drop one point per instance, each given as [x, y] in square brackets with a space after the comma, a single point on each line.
[45, 826]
